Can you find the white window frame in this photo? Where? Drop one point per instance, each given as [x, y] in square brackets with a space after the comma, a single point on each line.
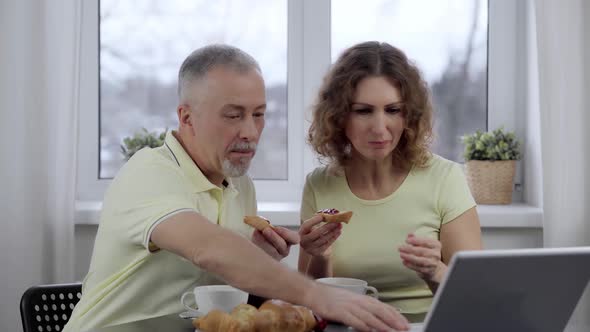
[308, 59]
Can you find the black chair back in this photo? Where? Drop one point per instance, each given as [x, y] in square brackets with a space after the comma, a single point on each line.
[47, 308]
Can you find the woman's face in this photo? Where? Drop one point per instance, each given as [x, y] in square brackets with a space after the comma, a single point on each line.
[376, 123]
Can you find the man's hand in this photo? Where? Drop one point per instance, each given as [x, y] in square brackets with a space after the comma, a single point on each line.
[275, 241]
[361, 312]
[423, 255]
[317, 240]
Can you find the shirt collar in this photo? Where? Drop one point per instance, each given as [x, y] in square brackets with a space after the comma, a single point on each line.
[189, 167]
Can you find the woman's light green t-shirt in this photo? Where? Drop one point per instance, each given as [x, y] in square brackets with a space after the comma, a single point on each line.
[367, 248]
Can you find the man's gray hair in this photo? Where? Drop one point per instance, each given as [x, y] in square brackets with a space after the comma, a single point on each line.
[200, 61]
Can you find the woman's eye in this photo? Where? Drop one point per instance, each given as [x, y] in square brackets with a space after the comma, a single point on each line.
[232, 117]
[393, 110]
[259, 115]
[362, 111]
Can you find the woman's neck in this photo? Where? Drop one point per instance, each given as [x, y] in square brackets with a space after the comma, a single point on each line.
[372, 180]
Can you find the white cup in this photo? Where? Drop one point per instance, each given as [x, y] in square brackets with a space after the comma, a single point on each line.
[207, 298]
[354, 285]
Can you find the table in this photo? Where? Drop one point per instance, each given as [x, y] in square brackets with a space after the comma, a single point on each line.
[173, 323]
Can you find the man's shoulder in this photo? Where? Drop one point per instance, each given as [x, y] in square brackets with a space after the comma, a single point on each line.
[146, 171]
[150, 160]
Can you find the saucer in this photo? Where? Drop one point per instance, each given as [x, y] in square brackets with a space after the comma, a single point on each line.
[190, 314]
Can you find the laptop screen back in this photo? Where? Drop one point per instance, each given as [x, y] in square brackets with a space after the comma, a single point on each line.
[510, 290]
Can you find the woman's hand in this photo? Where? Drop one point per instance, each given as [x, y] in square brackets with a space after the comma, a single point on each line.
[423, 255]
[317, 239]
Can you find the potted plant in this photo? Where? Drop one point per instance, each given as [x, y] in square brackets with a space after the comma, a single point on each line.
[141, 139]
[490, 164]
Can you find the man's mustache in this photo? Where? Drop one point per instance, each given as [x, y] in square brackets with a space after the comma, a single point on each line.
[243, 147]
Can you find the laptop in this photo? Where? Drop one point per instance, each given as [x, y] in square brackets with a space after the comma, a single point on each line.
[518, 290]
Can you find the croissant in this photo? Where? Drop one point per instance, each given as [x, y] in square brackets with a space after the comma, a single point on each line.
[277, 315]
[272, 316]
[241, 319]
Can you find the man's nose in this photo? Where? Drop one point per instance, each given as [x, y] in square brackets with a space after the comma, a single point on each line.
[249, 130]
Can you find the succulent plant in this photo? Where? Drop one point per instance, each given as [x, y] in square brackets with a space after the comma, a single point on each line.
[141, 139]
[494, 145]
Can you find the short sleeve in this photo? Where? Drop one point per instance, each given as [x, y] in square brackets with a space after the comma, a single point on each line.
[144, 194]
[308, 202]
[454, 196]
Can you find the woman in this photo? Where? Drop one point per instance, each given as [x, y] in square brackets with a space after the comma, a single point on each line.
[412, 209]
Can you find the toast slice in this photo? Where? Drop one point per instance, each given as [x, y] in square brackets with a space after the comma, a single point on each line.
[258, 222]
[333, 215]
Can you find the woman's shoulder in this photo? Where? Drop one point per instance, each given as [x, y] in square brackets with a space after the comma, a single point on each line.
[324, 175]
[439, 167]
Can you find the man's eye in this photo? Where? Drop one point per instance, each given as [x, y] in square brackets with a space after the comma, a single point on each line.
[362, 111]
[259, 115]
[232, 117]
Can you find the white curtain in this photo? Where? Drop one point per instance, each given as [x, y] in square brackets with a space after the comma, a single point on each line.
[563, 49]
[38, 130]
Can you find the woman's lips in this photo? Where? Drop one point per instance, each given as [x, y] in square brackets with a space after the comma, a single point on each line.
[379, 144]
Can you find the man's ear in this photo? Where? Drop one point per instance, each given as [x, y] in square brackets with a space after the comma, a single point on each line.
[184, 113]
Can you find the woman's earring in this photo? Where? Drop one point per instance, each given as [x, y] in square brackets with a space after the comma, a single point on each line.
[348, 149]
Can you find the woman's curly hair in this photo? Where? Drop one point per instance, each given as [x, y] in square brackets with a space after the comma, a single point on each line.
[331, 112]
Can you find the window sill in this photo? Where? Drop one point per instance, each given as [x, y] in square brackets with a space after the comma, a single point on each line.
[516, 215]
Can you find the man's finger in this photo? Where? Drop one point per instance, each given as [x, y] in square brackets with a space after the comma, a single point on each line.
[291, 237]
[372, 322]
[259, 240]
[356, 323]
[276, 240]
[393, 317]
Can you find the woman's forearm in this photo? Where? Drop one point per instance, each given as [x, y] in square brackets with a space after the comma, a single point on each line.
[319, 267]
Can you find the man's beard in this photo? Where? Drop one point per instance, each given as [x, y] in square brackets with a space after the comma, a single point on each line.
[234, 170]
[241, 167]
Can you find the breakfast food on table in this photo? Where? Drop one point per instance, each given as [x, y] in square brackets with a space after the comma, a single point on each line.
[272, 316]
[241, 319]
[333, 215]
[258, 222]
[276, 315]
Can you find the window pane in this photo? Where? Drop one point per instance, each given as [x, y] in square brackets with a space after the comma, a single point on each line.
[448, 42]
[143, 43]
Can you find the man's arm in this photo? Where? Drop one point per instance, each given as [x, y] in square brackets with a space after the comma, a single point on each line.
[243, 265]
[230, 256]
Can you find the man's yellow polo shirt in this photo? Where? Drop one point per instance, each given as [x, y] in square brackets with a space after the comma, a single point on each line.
[129, 280]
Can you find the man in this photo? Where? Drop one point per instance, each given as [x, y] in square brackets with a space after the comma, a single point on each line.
[172, 217]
